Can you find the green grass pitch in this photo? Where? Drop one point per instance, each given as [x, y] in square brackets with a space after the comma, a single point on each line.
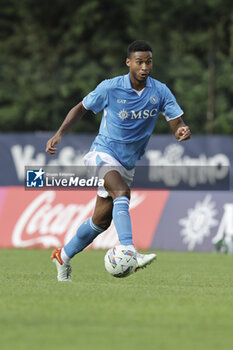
[182, 301]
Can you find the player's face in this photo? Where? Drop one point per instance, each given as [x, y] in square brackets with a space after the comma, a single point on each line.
[140, 65]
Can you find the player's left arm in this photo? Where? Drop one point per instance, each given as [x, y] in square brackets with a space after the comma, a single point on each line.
[180, 129]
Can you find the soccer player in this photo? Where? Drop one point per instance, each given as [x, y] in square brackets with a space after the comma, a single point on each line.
[130, 104]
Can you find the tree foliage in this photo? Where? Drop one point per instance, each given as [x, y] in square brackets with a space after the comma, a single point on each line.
[53, 54]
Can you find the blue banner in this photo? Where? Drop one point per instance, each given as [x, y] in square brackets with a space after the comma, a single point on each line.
[203, 162]
[196, 221]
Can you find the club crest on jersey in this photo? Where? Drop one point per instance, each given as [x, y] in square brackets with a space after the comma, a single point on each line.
[153, 100]
[142, 114]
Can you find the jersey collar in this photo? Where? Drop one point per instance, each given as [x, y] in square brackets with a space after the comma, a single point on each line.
[127, 82]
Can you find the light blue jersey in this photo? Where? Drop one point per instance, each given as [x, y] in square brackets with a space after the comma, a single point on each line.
[129, 118]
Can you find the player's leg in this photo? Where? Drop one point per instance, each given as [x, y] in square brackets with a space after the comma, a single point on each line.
[120, 193]
[102, 215]
[85, 234]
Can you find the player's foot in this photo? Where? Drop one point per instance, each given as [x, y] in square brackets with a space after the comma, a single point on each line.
[63, 270]
[144, 259]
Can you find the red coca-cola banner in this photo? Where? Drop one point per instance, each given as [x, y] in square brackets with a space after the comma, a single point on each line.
[50, 218]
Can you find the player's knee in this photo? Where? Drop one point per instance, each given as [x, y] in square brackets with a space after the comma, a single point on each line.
[103, 223]
[122, 193]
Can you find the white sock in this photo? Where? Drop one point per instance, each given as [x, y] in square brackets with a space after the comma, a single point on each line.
[64, 257]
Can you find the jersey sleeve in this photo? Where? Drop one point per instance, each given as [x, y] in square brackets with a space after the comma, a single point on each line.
[170, 108]
[97, 99]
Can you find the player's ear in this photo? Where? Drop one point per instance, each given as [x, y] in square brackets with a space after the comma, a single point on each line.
[127, 62]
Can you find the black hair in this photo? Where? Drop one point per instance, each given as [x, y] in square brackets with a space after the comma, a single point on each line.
[138, 45]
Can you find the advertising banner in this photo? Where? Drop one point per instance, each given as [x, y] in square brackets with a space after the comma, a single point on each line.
[203, 162]
[195, 221]
[50, 218]
[161, 220]
[33, 212]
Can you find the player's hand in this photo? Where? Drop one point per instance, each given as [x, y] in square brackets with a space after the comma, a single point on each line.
[183, 133]
[51, 143]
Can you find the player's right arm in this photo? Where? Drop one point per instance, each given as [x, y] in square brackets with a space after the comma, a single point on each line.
[74, 115]
[94, 101]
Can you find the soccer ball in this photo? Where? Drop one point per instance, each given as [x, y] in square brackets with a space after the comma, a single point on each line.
[120, 261]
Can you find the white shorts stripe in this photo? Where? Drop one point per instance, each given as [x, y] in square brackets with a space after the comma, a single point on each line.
[119, 202]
